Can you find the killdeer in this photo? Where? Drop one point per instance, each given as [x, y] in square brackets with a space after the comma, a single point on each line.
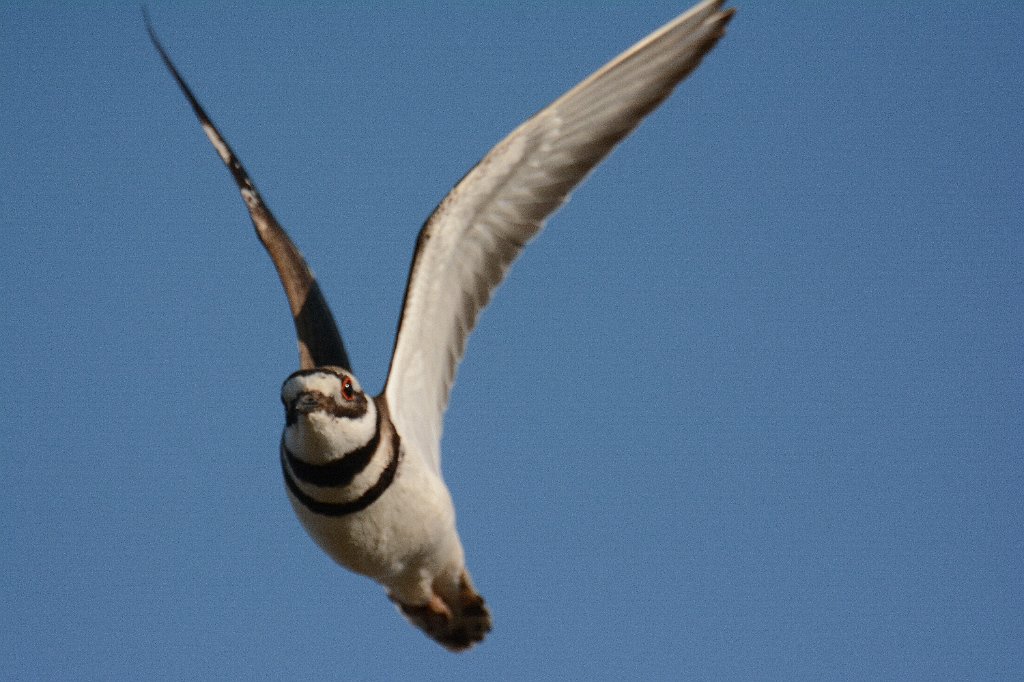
[364, 473]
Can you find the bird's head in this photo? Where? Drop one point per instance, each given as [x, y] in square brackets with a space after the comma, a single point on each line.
[327, 414]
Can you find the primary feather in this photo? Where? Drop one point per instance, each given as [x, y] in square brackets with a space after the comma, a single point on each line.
[467, 245]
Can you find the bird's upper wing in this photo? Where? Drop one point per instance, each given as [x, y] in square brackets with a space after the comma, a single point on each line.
[471, 239]
[319, 341]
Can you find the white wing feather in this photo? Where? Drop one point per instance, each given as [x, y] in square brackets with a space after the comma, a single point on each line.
[468, 244]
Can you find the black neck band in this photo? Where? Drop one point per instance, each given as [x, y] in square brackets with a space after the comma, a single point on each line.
[336, 474]
[336, 509]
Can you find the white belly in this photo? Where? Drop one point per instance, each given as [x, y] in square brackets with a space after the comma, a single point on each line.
[403, 540]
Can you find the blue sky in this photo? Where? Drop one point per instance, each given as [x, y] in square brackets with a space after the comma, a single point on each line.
[750, 408]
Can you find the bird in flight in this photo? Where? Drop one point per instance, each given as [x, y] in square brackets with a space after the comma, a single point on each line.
[363, 473]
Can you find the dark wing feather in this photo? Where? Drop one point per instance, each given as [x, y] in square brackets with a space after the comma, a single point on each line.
[319, 340]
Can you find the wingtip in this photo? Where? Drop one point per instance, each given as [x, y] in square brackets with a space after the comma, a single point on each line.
[147, 21]
[166, 58]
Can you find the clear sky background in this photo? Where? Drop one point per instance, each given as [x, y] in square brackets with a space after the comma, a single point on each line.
[749, 408]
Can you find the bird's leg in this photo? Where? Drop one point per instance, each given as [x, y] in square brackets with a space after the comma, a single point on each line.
[433, 616]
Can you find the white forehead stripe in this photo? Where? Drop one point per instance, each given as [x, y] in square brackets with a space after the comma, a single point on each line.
[322, 382]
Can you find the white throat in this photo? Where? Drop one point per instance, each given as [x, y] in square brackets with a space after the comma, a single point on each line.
[319, 437]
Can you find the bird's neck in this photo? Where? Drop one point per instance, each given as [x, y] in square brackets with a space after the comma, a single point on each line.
[319, 437]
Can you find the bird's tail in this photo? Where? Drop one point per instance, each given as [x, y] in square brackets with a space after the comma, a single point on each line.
[456, 621]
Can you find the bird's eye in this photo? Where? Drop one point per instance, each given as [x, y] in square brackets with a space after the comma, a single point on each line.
[348, 391]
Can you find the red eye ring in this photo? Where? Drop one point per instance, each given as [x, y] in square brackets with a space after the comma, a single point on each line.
[348, 391]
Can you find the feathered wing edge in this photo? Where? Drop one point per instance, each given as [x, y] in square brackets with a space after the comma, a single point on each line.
[467, 245]
[318, 337]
